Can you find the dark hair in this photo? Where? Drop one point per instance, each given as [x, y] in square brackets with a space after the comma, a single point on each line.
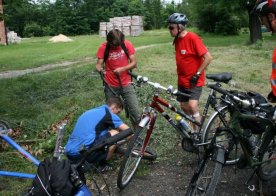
[115, 37]
[115, 100]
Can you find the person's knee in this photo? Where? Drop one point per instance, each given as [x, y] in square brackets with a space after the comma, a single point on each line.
[113, 132]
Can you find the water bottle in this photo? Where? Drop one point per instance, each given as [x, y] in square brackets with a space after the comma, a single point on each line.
[183, 124]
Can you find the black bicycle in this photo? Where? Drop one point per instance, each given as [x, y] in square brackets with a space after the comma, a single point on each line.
[258, 142]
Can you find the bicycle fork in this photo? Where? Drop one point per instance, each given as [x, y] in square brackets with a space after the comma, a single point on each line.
[147, 121]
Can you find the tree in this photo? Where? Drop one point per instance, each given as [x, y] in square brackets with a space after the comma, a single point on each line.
[254, 23]
[3, 34]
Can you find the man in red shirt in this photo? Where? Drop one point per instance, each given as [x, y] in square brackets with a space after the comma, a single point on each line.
[267, 12]
[192, 58]
[118, 55]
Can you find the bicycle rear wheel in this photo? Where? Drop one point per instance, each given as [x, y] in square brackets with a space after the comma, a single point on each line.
[206, 177]
[132, 158]
[231, 145]
[267, 170]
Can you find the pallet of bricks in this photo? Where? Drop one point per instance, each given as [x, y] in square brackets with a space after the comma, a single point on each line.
[129, 25]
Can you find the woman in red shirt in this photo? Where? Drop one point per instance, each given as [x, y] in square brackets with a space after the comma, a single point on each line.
[118, 55]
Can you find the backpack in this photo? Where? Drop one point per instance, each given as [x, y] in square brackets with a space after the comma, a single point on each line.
[52, 178]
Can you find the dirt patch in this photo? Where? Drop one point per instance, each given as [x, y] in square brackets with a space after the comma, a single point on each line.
[60, 38]
[172, 176]
[17, 73]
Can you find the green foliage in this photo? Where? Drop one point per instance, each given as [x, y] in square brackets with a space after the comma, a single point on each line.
[219, 21]
[33, 30]
[83, 16]
[220, 17]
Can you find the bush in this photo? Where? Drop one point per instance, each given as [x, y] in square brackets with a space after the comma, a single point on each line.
[219, 21]
[48, 31]
[33, 30]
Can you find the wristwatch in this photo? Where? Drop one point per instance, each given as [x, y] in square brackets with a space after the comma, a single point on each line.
[198, 73]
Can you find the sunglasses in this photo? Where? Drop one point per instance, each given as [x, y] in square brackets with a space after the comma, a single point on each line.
[171, 28]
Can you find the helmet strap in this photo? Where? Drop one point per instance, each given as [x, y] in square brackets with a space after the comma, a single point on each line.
[175, 38]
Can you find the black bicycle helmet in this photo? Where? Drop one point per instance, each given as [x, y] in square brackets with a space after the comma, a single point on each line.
[264, 7]
[178, 18]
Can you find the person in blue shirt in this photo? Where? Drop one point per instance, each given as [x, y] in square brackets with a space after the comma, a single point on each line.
[94, 126]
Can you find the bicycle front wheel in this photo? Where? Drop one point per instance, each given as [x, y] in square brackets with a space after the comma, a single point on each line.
[206, 177]
[226, 139]
[132, 158]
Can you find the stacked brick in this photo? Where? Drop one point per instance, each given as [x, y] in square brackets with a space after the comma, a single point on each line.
[129, 25]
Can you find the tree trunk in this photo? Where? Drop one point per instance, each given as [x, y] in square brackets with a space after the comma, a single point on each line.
[254, 27]
[3, 35]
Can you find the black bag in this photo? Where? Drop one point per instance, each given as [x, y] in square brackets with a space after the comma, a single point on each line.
[52, 178]
[257, 126]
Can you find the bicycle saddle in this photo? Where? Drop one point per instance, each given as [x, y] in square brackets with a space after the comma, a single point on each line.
[221, 77]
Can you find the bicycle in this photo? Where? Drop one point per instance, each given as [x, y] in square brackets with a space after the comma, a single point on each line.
[82, 189]
[190, 139]
[255, 154]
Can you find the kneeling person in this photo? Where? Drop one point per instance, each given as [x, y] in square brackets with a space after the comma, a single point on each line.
[93, 127]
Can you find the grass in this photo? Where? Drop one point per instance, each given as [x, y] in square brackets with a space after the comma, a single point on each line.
[34, 102]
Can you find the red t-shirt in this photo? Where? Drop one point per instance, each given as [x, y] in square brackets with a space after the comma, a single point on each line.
[273, 73]
[188, 52]
[116, 58]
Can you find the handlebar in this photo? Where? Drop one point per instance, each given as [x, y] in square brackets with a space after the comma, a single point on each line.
[169, 89]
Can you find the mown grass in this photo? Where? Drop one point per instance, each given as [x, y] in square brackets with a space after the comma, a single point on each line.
[35, 52]
[34, 102]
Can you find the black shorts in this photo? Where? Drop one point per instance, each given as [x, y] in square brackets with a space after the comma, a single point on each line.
[100, 154]
[194, 92]
[96, 156]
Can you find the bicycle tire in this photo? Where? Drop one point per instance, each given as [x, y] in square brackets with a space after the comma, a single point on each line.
[267, 170]
[226, 139]
[206, 178]
[131, 160]
[4, 125]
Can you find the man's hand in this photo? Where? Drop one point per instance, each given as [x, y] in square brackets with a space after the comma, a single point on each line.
[194, 79]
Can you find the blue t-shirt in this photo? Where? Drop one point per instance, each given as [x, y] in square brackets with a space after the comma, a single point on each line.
[90, 125]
